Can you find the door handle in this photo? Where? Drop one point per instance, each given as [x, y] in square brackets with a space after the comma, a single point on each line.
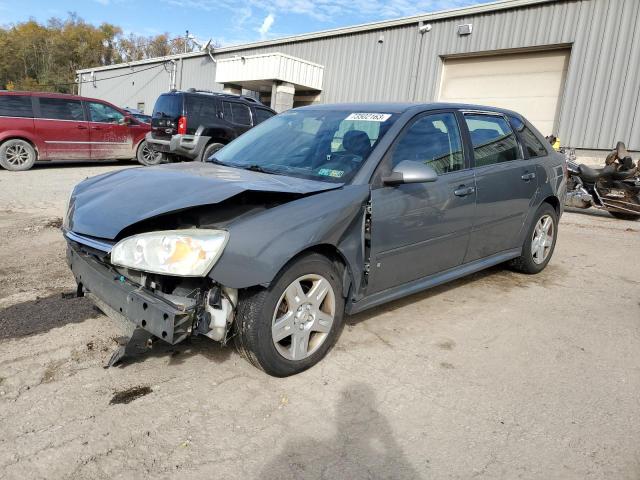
[81, 127]
[96, 128]
[528, 176]
[463, 191]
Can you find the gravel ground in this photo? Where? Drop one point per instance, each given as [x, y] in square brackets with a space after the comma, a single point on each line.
[498, 375]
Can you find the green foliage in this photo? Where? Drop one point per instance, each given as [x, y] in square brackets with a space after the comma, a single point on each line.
[45, 57]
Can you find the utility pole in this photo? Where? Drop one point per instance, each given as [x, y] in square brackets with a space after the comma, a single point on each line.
[186, 41]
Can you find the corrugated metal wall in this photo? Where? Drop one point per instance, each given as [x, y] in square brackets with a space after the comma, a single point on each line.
[150, 81]
[601, 101]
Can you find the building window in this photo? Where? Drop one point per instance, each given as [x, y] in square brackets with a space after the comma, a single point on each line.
[141, 106]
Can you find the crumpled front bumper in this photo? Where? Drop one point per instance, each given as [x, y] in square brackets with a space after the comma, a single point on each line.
[129, 304]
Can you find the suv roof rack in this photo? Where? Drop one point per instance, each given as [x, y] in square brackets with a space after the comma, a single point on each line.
[224, 94]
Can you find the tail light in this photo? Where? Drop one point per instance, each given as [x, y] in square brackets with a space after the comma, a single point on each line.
[182, 125]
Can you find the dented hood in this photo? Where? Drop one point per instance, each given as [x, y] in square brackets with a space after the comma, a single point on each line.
[103, 206]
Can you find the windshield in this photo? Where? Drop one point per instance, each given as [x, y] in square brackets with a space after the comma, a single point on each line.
[316, 144]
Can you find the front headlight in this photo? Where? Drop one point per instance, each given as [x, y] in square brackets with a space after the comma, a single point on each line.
[186, 253]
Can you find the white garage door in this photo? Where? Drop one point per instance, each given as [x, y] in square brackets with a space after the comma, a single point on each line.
[529, 83]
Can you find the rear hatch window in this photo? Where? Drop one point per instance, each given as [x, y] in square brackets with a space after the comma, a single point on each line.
[166, 112]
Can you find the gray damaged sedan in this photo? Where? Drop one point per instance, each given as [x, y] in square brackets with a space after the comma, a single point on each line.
[316, 213]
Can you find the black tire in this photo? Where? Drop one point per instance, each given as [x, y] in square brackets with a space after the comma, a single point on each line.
[147, 156]
[257, 309]
[210, 150]
[624, 216]
[17, 155]
[526, 263]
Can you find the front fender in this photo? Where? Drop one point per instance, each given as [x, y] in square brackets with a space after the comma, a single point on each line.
[261, 245]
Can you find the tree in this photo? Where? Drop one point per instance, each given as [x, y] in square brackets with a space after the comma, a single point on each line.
[46, 57]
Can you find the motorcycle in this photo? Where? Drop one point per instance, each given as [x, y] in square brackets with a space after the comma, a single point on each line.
[614, 188]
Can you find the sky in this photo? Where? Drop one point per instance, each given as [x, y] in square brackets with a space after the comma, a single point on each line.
[225, 21]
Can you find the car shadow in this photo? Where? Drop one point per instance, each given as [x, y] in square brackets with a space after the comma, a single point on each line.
[177, 354]
[591, 212]
[43, 314]
[425, 294]
[363, 445]
[82, 163]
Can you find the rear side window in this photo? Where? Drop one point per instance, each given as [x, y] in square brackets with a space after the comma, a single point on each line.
[532, 145]
[168, 106]
[237, 113]
[15, 106]
[262, 115]
[201, 110]
[492, 138]
[61, 109]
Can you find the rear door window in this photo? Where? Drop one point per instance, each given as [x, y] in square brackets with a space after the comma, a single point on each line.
[15, 106]
[241, 114]
[262, 115]
[492, 138]
[237, 113]
[61, 109]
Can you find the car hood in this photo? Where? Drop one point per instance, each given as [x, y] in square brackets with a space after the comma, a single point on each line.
[104, 205]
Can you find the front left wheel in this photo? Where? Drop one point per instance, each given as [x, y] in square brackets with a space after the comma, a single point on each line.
[290, 326]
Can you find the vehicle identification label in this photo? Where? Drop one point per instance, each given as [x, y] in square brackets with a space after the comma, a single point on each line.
[369, 117]
[327, 172]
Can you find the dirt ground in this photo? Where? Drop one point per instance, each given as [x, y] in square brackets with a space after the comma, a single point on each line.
[495, 376]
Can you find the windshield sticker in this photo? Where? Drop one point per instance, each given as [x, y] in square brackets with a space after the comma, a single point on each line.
[327, 172]
[369, 117]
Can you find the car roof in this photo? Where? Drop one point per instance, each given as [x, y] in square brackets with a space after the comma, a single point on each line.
[55, 95]
[212, 94]
[400, 107]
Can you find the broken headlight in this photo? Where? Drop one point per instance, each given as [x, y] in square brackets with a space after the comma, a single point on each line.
[185, 253]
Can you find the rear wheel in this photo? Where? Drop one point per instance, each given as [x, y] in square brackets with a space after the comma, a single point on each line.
[17, 155]
[540, 241]
[147, 155]
[290, 326]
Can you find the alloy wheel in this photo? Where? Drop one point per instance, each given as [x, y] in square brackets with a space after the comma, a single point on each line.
[542, 240]
[149, 154]
[17, 155]
[303, 317]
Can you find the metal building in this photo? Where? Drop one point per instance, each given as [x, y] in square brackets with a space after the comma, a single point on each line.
[571, 66]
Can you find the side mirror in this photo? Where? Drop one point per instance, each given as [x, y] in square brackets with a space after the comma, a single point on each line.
[128, 120]
[409, 171]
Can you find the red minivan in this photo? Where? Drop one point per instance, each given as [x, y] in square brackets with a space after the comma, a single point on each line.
[37, 126]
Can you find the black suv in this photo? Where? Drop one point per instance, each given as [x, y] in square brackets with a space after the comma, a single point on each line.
[193, 125]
